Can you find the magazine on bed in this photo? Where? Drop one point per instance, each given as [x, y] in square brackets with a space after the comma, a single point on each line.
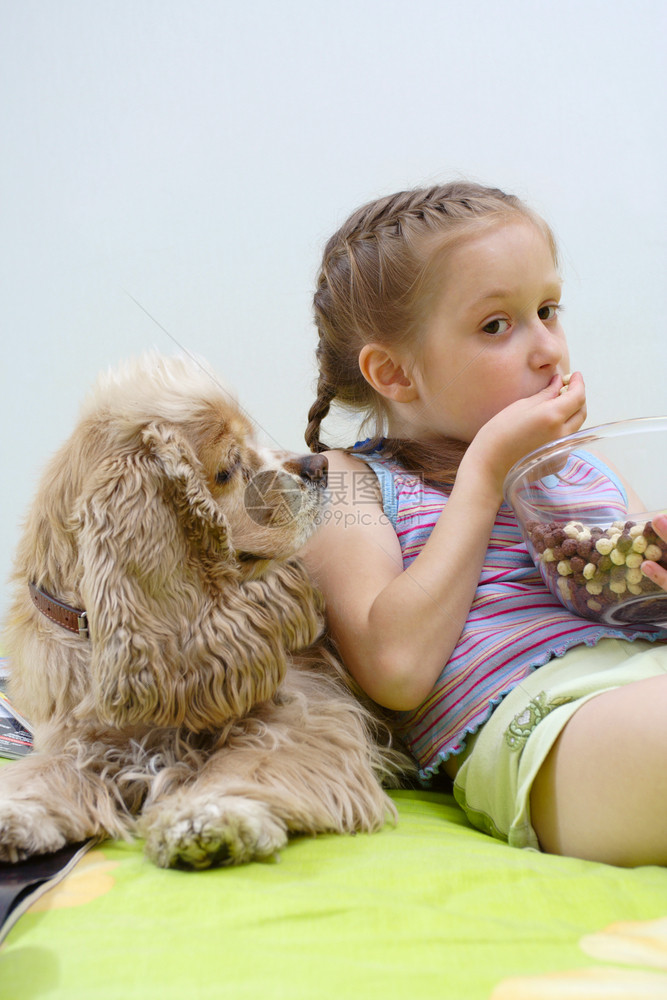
[15, 735]
[23, 882]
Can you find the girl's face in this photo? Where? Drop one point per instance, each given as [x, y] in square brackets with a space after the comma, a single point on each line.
[494, 335]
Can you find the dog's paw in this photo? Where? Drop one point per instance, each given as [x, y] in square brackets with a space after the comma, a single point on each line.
[202, 833]
[26, 828]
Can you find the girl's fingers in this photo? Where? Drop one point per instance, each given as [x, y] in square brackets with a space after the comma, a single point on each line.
[656, 573]
[660, 525]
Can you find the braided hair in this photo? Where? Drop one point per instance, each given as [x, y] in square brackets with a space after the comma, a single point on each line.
[376, 284]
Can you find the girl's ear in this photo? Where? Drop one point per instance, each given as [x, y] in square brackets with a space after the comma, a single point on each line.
[385, 374]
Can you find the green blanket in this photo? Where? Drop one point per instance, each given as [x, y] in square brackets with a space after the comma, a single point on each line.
[427, 909]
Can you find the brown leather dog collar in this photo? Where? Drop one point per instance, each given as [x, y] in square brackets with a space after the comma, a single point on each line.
[73, 619]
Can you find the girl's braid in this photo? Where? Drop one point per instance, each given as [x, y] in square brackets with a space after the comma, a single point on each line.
[326, 393]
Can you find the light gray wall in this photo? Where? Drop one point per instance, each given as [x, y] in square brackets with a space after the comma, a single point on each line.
[194, 156]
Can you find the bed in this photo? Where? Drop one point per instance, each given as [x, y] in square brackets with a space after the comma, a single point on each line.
[428, 908]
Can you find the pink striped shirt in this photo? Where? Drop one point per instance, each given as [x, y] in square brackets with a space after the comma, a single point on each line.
[514, 624]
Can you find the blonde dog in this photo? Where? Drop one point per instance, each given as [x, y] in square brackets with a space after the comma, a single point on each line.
[163, 640]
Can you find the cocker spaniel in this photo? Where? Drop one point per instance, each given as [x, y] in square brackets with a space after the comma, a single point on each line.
[163, 640]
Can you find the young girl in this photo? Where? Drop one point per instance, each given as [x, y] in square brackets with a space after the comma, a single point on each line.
[438, 319]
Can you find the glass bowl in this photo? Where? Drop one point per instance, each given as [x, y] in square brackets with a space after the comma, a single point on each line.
[585, 505]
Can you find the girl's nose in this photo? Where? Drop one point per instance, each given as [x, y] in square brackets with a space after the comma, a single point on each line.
[546, 345]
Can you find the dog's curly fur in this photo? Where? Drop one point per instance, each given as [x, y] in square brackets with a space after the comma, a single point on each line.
[203, 712]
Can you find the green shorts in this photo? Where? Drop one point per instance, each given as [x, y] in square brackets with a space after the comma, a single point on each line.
[502, 760]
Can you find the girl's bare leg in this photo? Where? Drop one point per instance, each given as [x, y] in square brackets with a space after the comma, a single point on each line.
[601, 794]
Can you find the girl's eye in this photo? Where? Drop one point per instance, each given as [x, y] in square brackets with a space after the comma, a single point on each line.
[546, 313]
[496, 326]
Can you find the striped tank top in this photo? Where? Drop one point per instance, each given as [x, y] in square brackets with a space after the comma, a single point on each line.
[514, 625]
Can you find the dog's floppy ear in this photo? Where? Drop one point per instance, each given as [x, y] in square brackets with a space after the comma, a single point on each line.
[199, 516]
[152, 542]
[183, 470]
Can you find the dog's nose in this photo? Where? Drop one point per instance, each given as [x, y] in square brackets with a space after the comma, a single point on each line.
[312, 468]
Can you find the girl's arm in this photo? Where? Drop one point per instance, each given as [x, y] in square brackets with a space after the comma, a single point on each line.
[397, 628]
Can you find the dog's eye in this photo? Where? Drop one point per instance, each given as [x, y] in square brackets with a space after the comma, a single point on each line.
[223, 476]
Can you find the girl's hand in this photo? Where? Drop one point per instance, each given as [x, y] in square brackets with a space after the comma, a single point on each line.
[528, 424]
[653, 570]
